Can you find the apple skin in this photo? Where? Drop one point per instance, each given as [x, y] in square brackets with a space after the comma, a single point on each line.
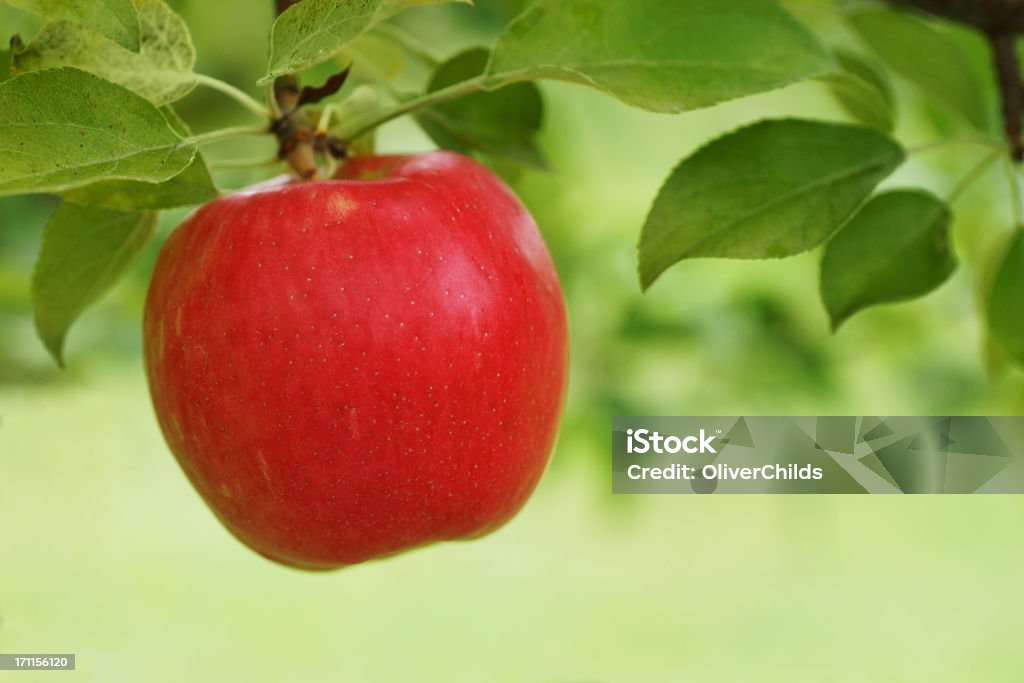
[349, 368]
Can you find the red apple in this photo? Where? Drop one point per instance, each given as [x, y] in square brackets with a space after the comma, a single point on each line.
[350, 368]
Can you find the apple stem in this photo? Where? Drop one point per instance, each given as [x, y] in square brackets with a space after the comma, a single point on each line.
[293, 129]
[300, 141]
[290, 125]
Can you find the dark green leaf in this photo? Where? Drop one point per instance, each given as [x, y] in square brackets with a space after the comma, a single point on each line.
[313, 31]
[896, 248]
[64, 128]
[925, 57]
[161, 70]
[770, 190]
[502, 123]
[113, 18]
[85, 250]
[1006, 300]
[666, 57]
[862, 91]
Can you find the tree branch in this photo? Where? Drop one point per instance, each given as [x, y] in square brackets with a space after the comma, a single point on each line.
[1004, 51]
[1001, 21]
[991, 16]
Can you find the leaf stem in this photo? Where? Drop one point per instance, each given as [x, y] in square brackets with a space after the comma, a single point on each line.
[229, 164]
[1015, 192]
[227, 133]
[939, 144]
[974, 174]
[325, 118]
[275, 108]
[413, 45]
[234, 93]
[460, 89]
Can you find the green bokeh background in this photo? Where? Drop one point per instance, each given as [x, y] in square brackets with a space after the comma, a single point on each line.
[106, 551]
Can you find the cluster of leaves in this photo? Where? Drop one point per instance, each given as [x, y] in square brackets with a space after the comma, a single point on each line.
[88, 116]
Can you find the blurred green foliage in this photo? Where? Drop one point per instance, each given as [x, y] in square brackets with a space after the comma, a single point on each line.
[713, 337]
[104, 549]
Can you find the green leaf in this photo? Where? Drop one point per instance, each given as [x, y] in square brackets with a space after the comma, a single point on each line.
[64, 128]
[863, 92]
[869, 72]
[5, 65]
[770, 190]
[373, 58]
[113, 18]
[161, 71]
[1006, 300]
[896, 248]
[360, 102]
[662, 56]
[313, 31]
[501, 123]
[192, 186]
[924, 56]
[85, 250]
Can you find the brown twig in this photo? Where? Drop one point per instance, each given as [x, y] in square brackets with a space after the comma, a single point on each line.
[1011, 89]
[991, 16]
[1001, 21]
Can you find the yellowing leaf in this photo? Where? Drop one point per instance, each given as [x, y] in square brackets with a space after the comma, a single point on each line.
[113, 18]
[161, 71]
